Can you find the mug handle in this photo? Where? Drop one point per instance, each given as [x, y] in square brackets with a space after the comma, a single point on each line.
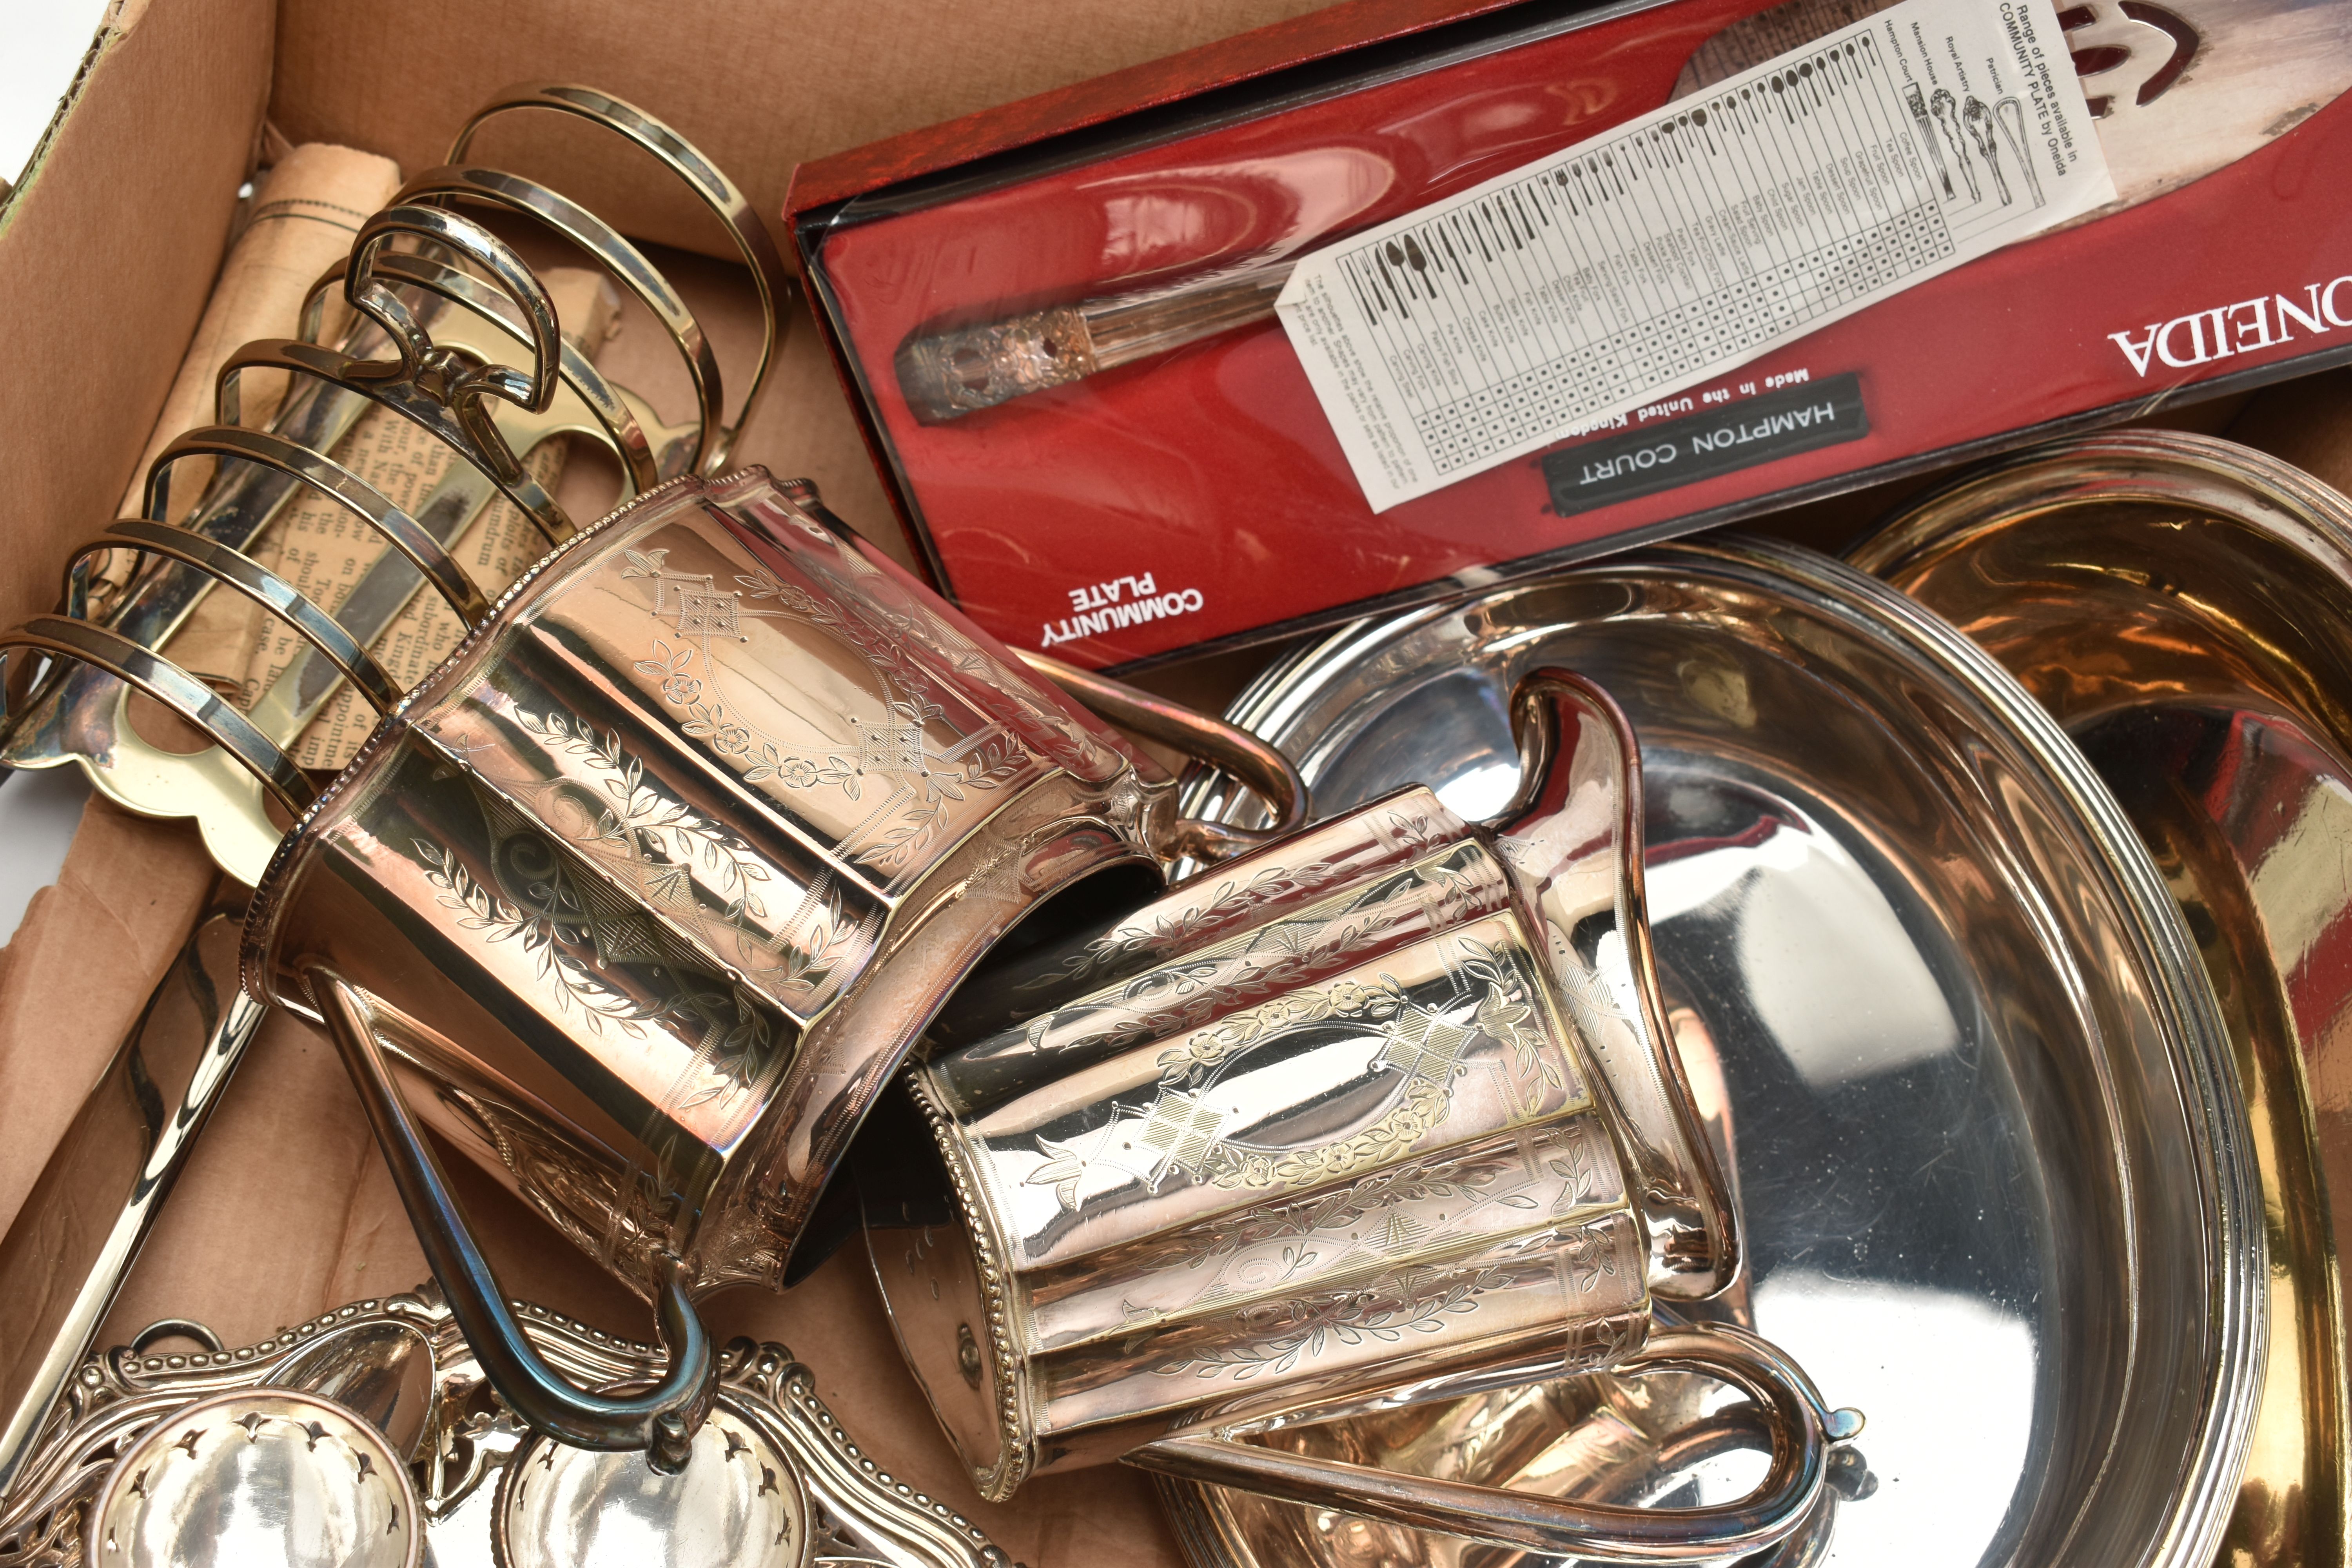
[661, 1420]
[1803, 1426]
[1266, 771]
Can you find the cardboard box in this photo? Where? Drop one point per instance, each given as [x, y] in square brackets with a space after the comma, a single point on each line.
[1199, 498]
[107, 248]
[107, 251]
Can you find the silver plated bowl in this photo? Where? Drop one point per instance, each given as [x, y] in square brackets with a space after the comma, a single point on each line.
[1995, 1168]
[2183, 606]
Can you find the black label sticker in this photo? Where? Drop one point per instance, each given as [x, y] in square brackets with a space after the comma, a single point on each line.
[1701, 446]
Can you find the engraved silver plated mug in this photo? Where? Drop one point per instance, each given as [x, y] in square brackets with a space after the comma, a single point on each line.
[1383, 1112]
[644, 896]
[641, 897]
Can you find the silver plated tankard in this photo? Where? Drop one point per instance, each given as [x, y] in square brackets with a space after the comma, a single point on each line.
[1384, 1111]
[644, 896]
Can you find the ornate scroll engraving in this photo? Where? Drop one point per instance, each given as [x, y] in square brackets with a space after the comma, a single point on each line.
[1282, 1332]
[1321, 939]
[878, 606]
[1571, 1159]
[1423, 1044]
[1231, 903]
[1114, 952]
[541, 932]
[610, 963]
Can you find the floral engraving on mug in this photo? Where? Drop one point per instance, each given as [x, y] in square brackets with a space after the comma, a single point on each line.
[616, 966]
[1423, 1044]
[679, 857]
[1604, 1342]
[888, 618]
[664, 833]
[1419, 1039]
[1497, 1197]
[1399, 832]
[621, 1219]
[1185, 995]
[538, 932]
[890, 748]
[1382, 1312]
[1232, 901]
[1588, 1272]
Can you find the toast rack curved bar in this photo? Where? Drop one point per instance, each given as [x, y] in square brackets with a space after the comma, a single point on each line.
[711, 186]
[70, 637]
[617, 420]
[338, 484]
[191, 699]
[614, 255]
[256, 582]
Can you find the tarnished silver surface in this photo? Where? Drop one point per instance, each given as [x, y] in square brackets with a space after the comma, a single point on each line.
[262, 1477]
[2183, 605]
[1994, 1168]
[771, 1460]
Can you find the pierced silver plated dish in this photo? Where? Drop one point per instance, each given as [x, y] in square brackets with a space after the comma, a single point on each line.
[371, 1435]
[1969, 1078]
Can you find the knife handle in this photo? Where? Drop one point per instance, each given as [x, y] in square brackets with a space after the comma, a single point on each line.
[72, 1246]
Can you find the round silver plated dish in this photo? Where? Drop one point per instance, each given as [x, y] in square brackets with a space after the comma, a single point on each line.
[1992, 1161]
[2183, 606]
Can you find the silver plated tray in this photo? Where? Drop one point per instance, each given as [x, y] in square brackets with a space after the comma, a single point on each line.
[1994, 1167]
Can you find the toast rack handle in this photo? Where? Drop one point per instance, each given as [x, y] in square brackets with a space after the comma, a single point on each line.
[616, 421]
[1268, 774]
[1802, 1429]
[661, 1420]
[374, 298]
[622, 262]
